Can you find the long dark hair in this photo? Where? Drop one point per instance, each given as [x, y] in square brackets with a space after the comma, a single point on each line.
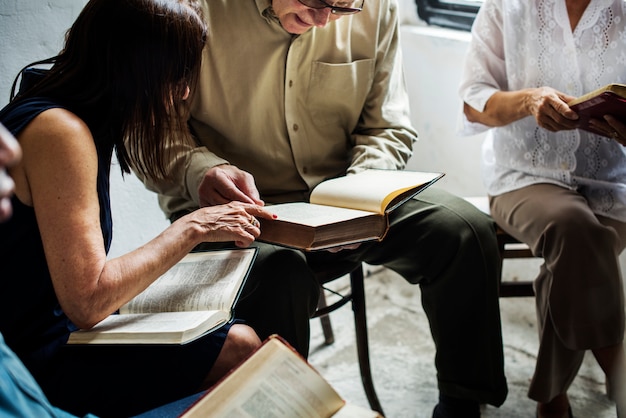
[124, 69]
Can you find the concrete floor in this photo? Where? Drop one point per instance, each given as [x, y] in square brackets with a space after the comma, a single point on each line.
[402, 353]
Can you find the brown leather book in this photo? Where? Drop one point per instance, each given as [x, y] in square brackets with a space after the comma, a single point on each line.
[607, 100]
[345, 210]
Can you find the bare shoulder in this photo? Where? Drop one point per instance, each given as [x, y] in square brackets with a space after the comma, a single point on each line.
[57, 148]
[57, 132]
[57, 122]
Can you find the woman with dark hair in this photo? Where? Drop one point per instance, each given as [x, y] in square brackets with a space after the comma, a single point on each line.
[122, 78]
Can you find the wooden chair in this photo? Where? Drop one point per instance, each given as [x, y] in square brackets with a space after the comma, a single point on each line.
[510, 248]
[356, 295]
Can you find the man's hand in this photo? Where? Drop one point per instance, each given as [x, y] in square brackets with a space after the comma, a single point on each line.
[343, 247]
[226, 183]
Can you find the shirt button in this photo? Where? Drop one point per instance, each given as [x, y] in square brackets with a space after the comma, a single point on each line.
[290, 83]
[295, 127]
[305, 170]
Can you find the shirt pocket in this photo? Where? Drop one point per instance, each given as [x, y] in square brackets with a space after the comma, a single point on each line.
[337, 92]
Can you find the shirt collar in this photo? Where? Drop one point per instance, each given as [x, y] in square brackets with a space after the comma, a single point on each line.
[265, 8]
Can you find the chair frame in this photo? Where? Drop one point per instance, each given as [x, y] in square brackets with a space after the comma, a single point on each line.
[356, 295]
[510, 248]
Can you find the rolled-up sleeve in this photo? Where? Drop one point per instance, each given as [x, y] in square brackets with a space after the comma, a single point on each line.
[186, 169]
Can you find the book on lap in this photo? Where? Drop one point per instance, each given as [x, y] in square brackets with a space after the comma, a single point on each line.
[195, 297]
[344, 210]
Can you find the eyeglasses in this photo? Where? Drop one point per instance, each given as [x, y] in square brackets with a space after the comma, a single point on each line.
[342, 7]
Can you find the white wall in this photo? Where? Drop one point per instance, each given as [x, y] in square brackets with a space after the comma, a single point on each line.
[31, 30]
[433, 59]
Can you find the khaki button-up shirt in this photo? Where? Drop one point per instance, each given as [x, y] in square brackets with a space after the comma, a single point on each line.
[293, 110]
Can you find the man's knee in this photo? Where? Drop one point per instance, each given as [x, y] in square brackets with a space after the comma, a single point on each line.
[284, 272]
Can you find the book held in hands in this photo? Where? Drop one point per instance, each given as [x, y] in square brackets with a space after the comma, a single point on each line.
[196, 296]
[344, 210]
[607, 100]
[274, 381]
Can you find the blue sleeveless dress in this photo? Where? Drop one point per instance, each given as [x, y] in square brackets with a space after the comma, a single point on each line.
[103, 380]
[31, 319]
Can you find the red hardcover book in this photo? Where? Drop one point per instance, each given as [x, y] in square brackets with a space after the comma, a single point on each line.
[607, 100]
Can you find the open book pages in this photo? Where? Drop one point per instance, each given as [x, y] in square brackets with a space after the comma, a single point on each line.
[373, 190]
[152, 328]
[312, 227]
[344, 210]
[194, 297]
[208, 280]
[615, 88]
[315, 215]
[275, 381]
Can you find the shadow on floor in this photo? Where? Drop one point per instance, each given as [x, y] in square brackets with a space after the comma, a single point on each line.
[402, 356]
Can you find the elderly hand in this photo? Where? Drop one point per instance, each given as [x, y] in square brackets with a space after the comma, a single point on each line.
[234, 221]
[343, 247]
[226, 183]
[613, 128]
[550, 110]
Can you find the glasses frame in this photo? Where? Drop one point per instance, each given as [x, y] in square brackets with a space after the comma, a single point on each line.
[336, 10]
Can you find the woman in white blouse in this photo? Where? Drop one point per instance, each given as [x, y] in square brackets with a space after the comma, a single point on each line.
[559, 189]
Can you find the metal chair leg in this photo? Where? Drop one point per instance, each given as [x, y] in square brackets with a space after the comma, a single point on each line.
[360, 323]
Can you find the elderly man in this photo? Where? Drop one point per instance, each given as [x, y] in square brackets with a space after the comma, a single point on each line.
[293, 92]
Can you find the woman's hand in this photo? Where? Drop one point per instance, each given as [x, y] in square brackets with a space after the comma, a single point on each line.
[549, 108]
[547, 105]
[612, 127]
[233, 221]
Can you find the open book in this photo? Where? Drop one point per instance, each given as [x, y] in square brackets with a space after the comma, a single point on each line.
[344, 210]
[193, 298]
[607, 100]
[275, 381]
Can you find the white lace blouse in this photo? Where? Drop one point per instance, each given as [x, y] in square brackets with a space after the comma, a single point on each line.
[528, 43]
